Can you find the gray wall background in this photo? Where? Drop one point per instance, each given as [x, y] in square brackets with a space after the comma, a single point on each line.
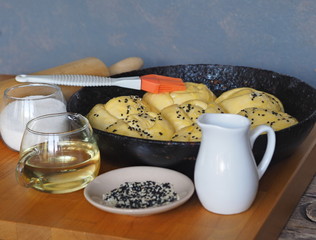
[278, 35]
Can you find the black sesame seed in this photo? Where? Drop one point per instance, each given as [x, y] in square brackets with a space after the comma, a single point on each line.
[141, 195]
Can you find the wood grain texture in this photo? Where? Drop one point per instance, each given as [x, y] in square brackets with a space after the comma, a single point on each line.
[91, 66]
[29, 214]
[299, 226]
[26, 212]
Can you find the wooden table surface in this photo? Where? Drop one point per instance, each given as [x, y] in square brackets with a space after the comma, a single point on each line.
[299, 225]
[29, 214]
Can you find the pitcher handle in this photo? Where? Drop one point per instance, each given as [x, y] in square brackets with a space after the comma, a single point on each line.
[266, 159]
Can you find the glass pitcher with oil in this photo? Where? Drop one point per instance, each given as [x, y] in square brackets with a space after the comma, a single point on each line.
[58, 153]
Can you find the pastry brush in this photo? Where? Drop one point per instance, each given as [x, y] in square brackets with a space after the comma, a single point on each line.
[150, 83]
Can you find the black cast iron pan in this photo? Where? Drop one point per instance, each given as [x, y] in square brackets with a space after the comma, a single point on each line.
[298, 98]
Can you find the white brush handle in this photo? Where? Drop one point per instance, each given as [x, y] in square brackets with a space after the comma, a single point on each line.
[82, 80]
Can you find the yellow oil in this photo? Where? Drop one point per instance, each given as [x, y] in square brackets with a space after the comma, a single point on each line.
[70, 168]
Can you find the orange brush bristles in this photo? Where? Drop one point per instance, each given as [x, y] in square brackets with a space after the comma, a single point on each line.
[159, 84]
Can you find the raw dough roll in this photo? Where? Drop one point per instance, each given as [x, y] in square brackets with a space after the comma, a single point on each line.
[147, 125]
[121, 107]
[151, 125]
[176, 116]
[190, 133]
[157, 101]
[195, 108]
[100, 118]
[276, 120]
[122, 128]
[194, 91]
[233, 101]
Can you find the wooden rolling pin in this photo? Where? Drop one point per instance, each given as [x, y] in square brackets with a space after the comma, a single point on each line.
[126, 65]
[89, 66]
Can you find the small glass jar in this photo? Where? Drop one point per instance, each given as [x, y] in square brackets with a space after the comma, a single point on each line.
[21, 103]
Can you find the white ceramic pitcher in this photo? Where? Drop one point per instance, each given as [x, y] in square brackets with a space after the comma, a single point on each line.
[226, 175]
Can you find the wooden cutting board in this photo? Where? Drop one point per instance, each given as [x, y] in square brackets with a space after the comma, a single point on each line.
[29, 214]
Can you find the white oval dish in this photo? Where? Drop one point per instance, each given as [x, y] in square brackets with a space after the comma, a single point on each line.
[108, 181]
